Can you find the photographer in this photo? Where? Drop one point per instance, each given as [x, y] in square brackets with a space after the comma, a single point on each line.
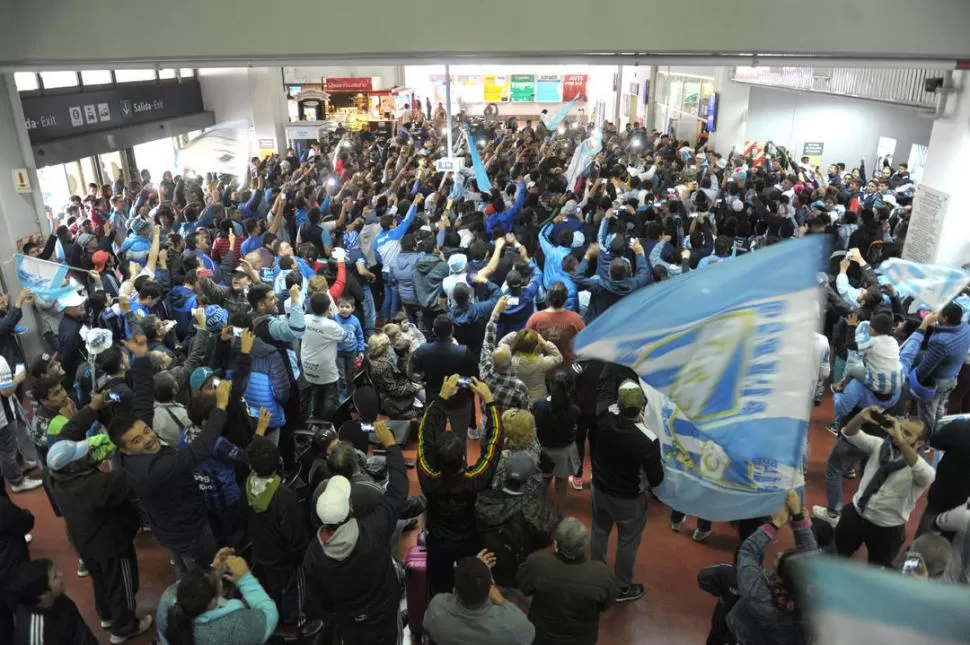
[894, 478]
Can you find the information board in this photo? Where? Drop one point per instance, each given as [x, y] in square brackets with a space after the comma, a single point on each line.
[548, 89]
[574, 87]
[523, 88]
[925, 224]
[496, 88]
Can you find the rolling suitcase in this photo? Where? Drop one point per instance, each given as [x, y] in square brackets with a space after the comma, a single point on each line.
[416, 587]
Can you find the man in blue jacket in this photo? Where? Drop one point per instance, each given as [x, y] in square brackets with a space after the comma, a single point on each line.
[945, 354]
[554, 252]
[387, 244]
[504, 218]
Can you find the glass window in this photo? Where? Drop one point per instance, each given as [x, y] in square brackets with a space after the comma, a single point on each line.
[75, 181]
[95, 77]
[166, 73]
[90, 174]
[26, 81]
[186, 72]
[110, 166]
[54, 187]
[134, 75]
[53, 80]
[156, 157]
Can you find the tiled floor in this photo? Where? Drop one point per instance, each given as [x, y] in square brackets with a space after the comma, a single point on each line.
[674, 611]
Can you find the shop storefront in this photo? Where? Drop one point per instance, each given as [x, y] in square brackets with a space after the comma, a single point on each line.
[683, 104]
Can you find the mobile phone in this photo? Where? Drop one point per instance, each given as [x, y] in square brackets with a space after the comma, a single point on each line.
[632, 242]
[19, 368]
[237, 331]
[114, 396]
[254, 412]
[881, 419]
[216, 382]
[912, 563]
[464, 381]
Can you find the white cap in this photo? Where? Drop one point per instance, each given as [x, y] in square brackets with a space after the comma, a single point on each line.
[72, 299]
[333, 505]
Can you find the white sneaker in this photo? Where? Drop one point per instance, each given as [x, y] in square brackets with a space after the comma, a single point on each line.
[700, 536]
[676, 526]
[106, 624]
[28, 465]
[82, 569]
[576, 482]
[26, 484]
[144, 624]
[28, 538]
[822, 513]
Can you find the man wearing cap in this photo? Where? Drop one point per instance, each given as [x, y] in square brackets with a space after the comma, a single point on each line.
[69, 341]
[624, 451]
[232, 298]
[349, 564]
[476, 613]
[104, 278]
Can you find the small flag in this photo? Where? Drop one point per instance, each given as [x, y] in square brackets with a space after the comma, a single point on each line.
[481, 176]
[731, 351]
[46, 280]
[553, 122]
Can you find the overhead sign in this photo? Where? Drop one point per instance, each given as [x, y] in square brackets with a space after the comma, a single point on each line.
[574, 87]
[812, 149]
[349, 84]
[523, 88]
[21, 181]
[61, 116]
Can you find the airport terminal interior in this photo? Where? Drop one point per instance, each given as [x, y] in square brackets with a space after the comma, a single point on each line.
[185, 198]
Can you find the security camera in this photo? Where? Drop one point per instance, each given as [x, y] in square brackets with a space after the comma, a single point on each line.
[933, 84]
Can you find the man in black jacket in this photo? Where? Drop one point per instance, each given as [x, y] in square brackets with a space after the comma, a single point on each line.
[450, 485]
[15, 523]
[951, 488]
[350, 569]
[622, 455]
[162, 477]
[279, 534]
[435, 360]
[102, 523]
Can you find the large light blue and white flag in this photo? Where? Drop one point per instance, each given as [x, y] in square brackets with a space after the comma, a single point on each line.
[932, 285]
[45, 279]
[849, 604]
[732, 350]
[553, 121]
[481, 175]
[583, 156]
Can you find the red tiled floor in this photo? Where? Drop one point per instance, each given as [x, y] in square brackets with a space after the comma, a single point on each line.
[675, 611]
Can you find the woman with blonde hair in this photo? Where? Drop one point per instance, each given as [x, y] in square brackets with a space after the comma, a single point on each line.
[519, 427]
[395, 389]
[532, 357]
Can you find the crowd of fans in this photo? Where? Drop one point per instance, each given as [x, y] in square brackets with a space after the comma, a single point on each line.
[214, 376]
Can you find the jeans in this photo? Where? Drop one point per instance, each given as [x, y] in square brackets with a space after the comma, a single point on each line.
[630, 516]
[324, 400]
[935, 408]
[857, 396]
[370, 313]
[882, 542]
[346, 362]
[844, 457]
[392, 299]
[9, 453]
[200, 555]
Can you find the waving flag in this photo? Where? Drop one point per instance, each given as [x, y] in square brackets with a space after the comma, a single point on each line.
[554, 120]
[849, 604]
[932, 285]
[731, 350]
[481, 176]
[583, 156]
[45, 279]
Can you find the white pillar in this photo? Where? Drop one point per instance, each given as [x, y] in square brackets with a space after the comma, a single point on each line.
[20, 213]
[732, 112]
[945, 171]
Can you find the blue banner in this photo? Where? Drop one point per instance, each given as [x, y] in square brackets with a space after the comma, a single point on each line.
[46, 280]
[560, 115]
[728, 358]
[849, 603]
[931, 285]
[481, 176]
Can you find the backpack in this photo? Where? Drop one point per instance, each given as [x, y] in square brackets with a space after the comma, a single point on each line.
[511, 543]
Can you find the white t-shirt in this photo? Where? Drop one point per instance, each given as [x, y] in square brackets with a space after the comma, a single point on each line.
[319, 350]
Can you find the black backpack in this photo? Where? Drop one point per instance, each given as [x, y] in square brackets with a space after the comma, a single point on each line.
[511, 543]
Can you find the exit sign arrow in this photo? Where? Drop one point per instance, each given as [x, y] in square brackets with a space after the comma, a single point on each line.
[126, 109]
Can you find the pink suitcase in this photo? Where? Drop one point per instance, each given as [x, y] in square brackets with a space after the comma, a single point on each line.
[416, 587]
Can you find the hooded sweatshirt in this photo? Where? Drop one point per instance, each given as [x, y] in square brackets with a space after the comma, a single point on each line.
[429, 273]
[535, 522]
[607, 292]
[402, 272]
